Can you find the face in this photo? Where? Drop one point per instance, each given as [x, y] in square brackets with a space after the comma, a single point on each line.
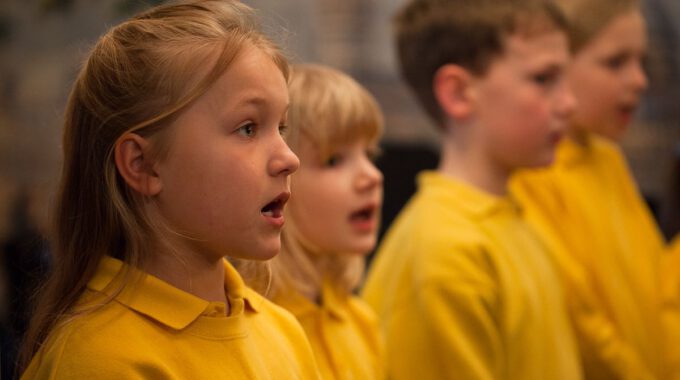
[225, 178]
[336, 203]
[607, 77]
[522, 102]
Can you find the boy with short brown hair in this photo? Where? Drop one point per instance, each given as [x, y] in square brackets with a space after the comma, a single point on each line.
[463, 287]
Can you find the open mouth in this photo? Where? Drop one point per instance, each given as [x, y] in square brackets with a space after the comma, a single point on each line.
[628, 108]
[274, 209]
[363, 214]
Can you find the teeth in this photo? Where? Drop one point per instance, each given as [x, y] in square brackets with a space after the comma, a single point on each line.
[268, 213]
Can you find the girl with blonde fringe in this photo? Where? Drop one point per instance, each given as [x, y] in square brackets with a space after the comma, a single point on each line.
[332, 220]
[173, 158]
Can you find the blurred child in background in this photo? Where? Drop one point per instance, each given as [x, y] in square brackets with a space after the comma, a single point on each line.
[332, 220]
[462, 286]
[588, 206]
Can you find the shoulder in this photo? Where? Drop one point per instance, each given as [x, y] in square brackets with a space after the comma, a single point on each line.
[447, 246]
[362, 311]
[279, 331]
[428, 221]
[89, 346]
[274, 319]
[268, 309]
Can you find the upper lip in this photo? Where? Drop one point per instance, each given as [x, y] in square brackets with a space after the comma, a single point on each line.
[369, 207]
[279, 201]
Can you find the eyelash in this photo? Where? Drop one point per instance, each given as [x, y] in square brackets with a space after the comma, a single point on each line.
[333, 160]
[247, 130]
[545, 79]
[616, 62]
[284, 129]
[373, 154]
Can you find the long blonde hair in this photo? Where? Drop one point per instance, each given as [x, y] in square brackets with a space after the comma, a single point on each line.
[138, 77]
[329, 109]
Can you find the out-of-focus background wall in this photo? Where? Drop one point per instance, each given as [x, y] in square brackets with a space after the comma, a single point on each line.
[43, 42]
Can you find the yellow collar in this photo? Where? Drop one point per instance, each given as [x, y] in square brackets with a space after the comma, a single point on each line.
[159, 300]
[469, 199]
[332, 302]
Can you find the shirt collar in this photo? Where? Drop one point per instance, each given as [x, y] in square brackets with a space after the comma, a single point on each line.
[332, 302]
[157, 299]
[467, 198]
[570, 152]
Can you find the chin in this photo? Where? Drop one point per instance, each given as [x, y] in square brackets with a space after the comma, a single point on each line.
[615, 135]
[262, 253]
[362, 249]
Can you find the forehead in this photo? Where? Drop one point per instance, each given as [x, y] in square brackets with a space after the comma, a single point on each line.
[253, 79]
[536, 49]
[625, 30]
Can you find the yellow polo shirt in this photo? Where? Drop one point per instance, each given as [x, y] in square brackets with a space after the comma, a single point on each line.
[608, 248]
[464, 290]
[343, 332]
[152, 330]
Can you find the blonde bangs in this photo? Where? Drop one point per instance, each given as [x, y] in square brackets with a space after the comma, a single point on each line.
[330, 109]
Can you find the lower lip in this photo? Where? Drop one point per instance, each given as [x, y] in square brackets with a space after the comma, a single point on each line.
[626, 117]
[275, 221]
[364, 225]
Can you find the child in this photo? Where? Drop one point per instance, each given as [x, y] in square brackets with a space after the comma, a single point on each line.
[173, 157]
[462, 286]
[587, 204]
[332, 221]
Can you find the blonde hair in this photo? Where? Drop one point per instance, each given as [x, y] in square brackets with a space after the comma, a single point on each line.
[329, 109]
[138, 77]
[587, 17]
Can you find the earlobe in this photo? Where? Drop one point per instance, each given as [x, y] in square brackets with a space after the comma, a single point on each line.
[451, 86]
[133, 161]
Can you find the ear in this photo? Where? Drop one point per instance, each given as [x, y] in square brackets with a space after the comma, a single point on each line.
[132, 157]
[452, 89]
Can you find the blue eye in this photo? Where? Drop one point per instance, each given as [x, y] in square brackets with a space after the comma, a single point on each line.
[247, 130]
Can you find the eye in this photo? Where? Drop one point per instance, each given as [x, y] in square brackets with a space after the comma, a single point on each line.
[247, 130]
[546, 78]
[283, 130]
[373, 153]
[333, 160]
[616, 62]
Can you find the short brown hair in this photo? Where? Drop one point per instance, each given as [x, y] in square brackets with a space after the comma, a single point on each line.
[432, 33]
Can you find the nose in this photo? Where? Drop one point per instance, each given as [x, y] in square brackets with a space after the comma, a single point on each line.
[638, 77]
[369, 176]
[283, 161]
[565, 101]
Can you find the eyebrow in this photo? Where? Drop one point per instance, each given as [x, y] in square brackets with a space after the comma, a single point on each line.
[252, 100]
[259, 102]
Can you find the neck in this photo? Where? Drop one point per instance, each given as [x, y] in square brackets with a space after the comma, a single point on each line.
[319, 265]
[472, 165]
[578, 135]
[199, 275]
